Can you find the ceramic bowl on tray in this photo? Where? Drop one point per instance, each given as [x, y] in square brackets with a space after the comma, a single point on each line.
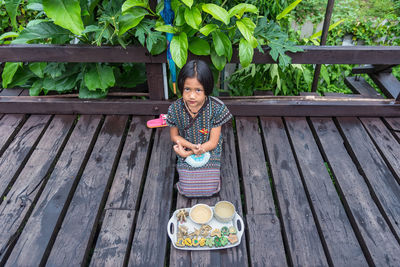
[201, 213]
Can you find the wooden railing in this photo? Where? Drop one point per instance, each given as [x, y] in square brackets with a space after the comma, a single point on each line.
[382, 59]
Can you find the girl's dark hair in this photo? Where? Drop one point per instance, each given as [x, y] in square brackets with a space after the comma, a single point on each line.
[200, 70]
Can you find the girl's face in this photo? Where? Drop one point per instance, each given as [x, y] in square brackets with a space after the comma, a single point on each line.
[193, 94]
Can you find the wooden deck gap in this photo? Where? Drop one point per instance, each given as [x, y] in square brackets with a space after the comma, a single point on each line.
[362, 173]
[41, 184]
[317, 224]
[11, 137]
[342, 198]
[101, 211]
[138, 202]
[394, 132]
[394, 173]
[240, 171]
[61, 217]
[275, 196]
[23, 163]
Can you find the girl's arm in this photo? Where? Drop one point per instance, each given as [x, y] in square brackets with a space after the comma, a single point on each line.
[175, 137]
[210, 144]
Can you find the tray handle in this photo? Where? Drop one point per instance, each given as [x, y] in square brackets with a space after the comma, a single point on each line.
[171, 234]
[239, 220]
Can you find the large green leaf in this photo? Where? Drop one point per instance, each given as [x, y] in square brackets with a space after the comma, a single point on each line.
[99, 77]
[42, 30]
[325, 74]
[222, 44]
[217, 12]
[240, 9]
[131, 19]
[199, 47]
[62, 84]
[38, 68]
[165, 28]
[178, 47]
[12, 7]
[246, 52]
[218, 61]
[193, 17]
[246, 28]
[36, 88]
[8, 35]
[288, 9]
[209, 28]
[134, 3]
[66, 13]
[189, 3]
[86, 93]
[9, 71]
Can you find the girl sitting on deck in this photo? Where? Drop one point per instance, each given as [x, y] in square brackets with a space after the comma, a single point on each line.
[195, 126]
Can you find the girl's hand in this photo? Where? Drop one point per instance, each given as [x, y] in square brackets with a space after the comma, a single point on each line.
[198, 149]
[180, 150]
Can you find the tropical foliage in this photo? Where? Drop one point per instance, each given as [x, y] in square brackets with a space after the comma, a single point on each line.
[201, 27]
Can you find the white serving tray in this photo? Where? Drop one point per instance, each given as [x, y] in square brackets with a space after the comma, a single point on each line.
[173, 224]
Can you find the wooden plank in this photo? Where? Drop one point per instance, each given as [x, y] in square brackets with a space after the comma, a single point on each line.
[91, 53]
[275, 106]
[113, 238]
[309, 94]
[155, 81]
[124, 193]
[256, 181]
[123, 199]
[155, 205]
[394, 124]
[301, 233]
[230, 191]
[74, 239]
[263, 231]
[343, 246]
[50, 208]
[11, 92]
[359, 85]
[377, 174]
[389, 84]
[23, 193]
[9, 127]
[262, 221]
[378, 242]
[17, 153]
[385, 142]
[178, 257]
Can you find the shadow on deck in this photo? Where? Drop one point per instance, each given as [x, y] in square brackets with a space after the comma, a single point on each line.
[98, 190]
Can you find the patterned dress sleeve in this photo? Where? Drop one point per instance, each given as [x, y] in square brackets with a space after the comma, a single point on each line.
[172, 115]
[221, 114]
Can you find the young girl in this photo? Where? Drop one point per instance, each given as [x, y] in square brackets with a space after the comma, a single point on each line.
[195, 126]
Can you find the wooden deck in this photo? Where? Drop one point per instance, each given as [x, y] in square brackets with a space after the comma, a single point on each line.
[98, 190]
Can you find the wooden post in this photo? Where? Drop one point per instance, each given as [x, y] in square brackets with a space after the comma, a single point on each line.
[155, 81]
[325, 29]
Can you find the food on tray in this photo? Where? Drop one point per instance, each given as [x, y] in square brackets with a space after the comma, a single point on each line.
[224, 231]
[201, 213]
[195, 242]
[233, 238]
[180, 242]
[188, 242]
[224, 241]
[210, 242]
[181, 215]
[202, 242]
[232, 230]
[224, 211]
[205, 230]
[217, 242]
[182, 231]
[216, 232]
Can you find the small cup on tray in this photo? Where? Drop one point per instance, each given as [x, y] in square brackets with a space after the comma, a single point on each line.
[224, 211]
